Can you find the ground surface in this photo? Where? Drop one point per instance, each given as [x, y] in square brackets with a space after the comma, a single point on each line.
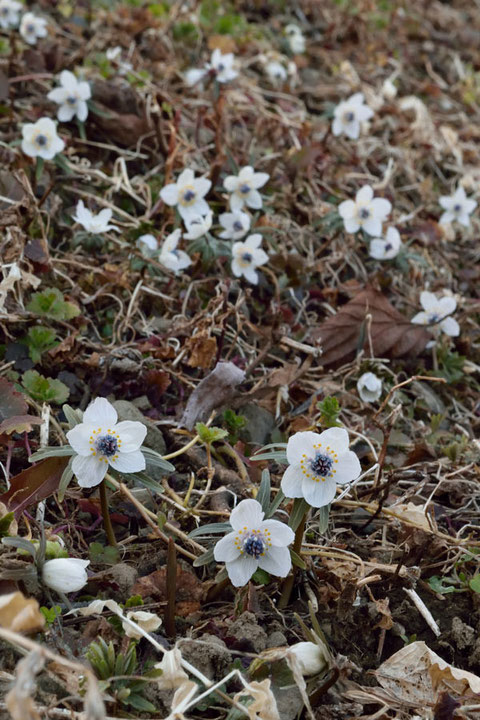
[145, 337]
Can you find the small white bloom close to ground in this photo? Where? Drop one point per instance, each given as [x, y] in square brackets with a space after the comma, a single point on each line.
[223, 65]
[254, 543]
[295, 39]
[172, 258]
[194, 76]
[369, 387]
[310, 657]
[386, 248]
[10, 13]
[264, 705]
[146, 620]
[198, 226]
[349, 115]
[147, 244]
[100, 441]
[276, 72]
[365, 212]
[317, 462]
[40, 139]
[187, 194]
[457, 207]
[71, 96]
[436, 313]
[32, 28]
[244, 188]
[91, 222]
[235, 224]
[173, 675]
[247, 256]
[65, 575]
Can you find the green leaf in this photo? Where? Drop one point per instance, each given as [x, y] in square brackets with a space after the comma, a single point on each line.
[74, 417]
[275, 504]
[155, 459]
[65, 481]
[204, 559]
[44, 389]
[51, 613]
[210, 529]
[20, 544]
[323, 515]
[134, 601]
[297, 560]
[263, 495]
[261, 577]
[5, 523]
[144, 480]
[40, 339]
[139, 703]
[209, 435]
[279, 456]
[101, 555]
[439, 585]
[300, 507]
[474, 583]
[329, 411]
[50, 303]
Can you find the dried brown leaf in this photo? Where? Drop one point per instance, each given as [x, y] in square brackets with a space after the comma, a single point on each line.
[19, 613]
[213, 391]
[34, 484]
[345, 334]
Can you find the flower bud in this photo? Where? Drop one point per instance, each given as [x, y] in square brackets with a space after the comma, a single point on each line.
[310, 657]
[65, 575]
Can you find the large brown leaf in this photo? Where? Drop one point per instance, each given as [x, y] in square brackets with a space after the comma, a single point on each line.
[34, 484]
[343, 335]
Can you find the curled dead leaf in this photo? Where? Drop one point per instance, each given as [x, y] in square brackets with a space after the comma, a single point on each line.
[19, 613]
[214, 390]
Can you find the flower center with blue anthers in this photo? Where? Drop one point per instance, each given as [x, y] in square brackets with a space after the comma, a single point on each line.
[105, 445]
[237, 226]
[388, 247]
[349, 116]
[188, 196]
[244, 189]
[457, 208]
[254, 543]
[30, 29]
[433, 318]
[41, 140]
[319, 465]
[364, 213]
[71, 100]
[247, 258]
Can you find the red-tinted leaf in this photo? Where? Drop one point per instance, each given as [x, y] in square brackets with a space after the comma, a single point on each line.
[12, 402]
[345, 334]
[34, 484]
[19, 423]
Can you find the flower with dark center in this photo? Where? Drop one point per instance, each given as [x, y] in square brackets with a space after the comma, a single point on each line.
[41, 140]
[237, 226]
[433, 318]
[364, 213]
[244, 189]
[254, 545]
[349, 116]
[71, 100]
[220, 67]
[388, 247]
[457, 208]
[30, 29]
[321, 465]
[247, 257]
[107, 445]
[188, 196]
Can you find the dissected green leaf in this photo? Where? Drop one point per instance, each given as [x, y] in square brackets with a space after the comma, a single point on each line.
[210, 434]
[50, 303]
[44, 389]
[40, 339]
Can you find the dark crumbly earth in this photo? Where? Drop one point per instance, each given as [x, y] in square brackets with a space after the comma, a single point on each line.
[144, 337]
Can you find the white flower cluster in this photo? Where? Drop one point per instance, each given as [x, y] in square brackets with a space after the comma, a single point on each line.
[221, 67]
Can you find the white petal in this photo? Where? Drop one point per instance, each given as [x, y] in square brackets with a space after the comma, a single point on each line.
[348, 468]
[336, 438]
[464, 219]
[277, 561]
[236, 202]
[241, 570]
[446, 202]
[246, 174]
[89, 470]
[187, 177]
[254, 200]
[381, 207]
[251, 275]
[450, 327]
[260, 257]
[347, 209]
[299, 444]
[447, 217]
[132, 434]
[65, 113]
[129, 462]
[372, 226]
[447, 305]
[58, 95]
[377, 249]
[428, 301]
[79, 437]
[202, 186]
[68, 80]
[291, 483]
[352, 130]
[280, 534]
[469, 206]
[248, 513]
[420, 318]
[337, 127]
[169, 194]
[364, 196]
[356, 99]
[82, 110]
[101, 413]
[237, 269]
[84, 91]
[364, 113]
[351, 225]
[254, 241]
[259, 179]
[231, 183]
[319, 494]
[225, 550]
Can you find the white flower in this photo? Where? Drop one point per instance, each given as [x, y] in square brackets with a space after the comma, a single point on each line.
[236, 225]
[101, 441]
[264, 705]
[113, 54]
[173, 675]
[244, 188]
[223, 66]
[436, 312]
[389, 90]
[146, 620]
[194, 76]
[369, 387]
[317, 463]
[364, 212]
[71, 97]
[198, 226]
[457, 207]
[32, 28]
[9, 13]
[247, 256]
[349, 115]
[187, 194]
[295, 39]
[172, 258]
[310, 657]
[388, 248]
[65, 575]
[40, 139]
[254, 543]
[147, 244]
[276, 71]
[93, 223]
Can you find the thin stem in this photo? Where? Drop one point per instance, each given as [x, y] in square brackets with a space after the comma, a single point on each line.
[288, 584]
[107, 523]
